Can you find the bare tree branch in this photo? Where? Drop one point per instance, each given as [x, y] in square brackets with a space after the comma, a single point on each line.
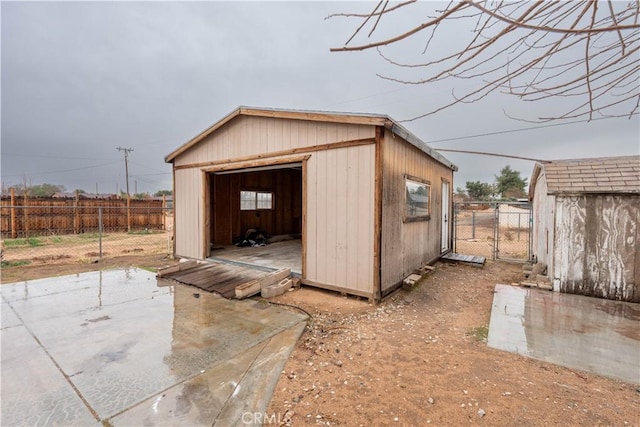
[523, 24]
[357, 15]
[526, 49]
[401, 36]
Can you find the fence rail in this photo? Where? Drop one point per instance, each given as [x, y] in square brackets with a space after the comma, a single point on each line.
[79, 216]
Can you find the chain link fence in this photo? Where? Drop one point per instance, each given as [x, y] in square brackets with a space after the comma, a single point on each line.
[45, 234]
[495, 230]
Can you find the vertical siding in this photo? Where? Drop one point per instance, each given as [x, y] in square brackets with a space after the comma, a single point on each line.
[188, 199]
[340, 210]
[596, 246]
[543, 224]
[407, 246]
[247, 136]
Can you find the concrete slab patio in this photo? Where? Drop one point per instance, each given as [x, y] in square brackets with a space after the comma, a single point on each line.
[113, 347]
[590, 334]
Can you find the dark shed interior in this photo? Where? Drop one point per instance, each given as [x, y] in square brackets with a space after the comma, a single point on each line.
[229, 221]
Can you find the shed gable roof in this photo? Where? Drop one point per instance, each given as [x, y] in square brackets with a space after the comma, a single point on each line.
[593, 175]
[318, 116]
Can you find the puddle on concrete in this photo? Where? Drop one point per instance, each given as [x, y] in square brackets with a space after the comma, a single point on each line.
[590, 334]
[106, 342]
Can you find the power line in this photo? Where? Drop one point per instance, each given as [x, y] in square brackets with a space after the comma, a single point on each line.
[59, 171]
[501, 132]
[482, 153]
[50, 157]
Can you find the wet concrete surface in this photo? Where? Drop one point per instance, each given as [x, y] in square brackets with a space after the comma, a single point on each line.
[590, 334]
[115, 346]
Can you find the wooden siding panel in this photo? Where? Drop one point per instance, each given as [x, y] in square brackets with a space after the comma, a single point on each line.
[363, 250]
[311, 231]
[322, 219]
[188, 199]
[245, 136]
[407, 246]
[340, 218]
[353, 215]
[596, 246]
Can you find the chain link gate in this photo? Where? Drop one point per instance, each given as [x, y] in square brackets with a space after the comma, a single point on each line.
[495, 230]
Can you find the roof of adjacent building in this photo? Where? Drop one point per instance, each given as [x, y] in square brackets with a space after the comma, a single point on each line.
[319, 116]
[592, 175]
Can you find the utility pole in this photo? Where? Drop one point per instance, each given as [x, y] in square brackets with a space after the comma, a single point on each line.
[126, 171]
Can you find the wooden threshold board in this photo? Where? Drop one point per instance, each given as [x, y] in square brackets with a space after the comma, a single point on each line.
[477, 261]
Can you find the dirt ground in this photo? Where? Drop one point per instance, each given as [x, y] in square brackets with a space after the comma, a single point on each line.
[418, 358]
[83, 248]
[55, 268]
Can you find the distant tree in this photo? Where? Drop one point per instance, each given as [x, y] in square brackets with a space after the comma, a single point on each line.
[479, 190]
[161, 193]
[460, 193]
[422, 190]
[80, 190]
[41, 190]
[509, 184]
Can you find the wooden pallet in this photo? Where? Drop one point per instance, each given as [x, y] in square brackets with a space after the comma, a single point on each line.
[216, 277]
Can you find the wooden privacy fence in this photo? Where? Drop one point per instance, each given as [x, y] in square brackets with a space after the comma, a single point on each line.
[50, 216]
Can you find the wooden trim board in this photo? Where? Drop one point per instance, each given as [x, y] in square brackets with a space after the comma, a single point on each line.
[304, 218]
[256, 163]
[338, 289]
[310, 149]
[377, 220]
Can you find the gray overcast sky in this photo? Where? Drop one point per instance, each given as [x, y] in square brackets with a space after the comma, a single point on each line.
[80, 78]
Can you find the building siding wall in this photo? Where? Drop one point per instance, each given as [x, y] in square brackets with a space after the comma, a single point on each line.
[543, 224]
[246, 136]
[596, 246]
[188, 204]
[340, 216]
[340, 185]
[407, 246]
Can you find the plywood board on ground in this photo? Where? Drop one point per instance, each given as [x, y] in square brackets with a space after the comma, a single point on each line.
[478, 261]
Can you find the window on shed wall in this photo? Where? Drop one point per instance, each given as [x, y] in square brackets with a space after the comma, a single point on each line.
[256, 200]
[417, 200]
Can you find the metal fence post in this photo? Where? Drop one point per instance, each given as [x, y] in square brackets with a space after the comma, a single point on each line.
[455, 227]
[100, 231]
[496, 232]
[473, 224]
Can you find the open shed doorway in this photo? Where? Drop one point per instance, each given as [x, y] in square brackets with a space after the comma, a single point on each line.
[249, 204]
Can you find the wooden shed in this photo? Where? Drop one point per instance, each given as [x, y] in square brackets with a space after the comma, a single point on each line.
[585, 225]
[369, 200]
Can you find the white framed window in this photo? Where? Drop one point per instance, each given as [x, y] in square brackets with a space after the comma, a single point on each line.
[256, 200]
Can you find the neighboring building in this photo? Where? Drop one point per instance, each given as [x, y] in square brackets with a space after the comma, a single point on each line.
[74, 195]
[339, 180]
[585, 225]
